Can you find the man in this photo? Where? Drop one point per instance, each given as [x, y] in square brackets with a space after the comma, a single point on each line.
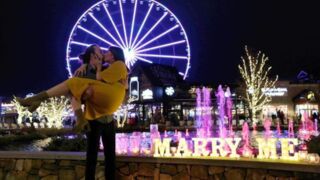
[101, 127]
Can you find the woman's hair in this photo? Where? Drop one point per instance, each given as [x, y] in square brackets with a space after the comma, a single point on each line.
[117, 53]
[85, 57]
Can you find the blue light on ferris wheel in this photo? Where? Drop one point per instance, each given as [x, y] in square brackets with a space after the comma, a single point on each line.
[146, 30]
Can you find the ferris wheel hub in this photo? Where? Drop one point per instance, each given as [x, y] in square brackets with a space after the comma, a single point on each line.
[130, 54]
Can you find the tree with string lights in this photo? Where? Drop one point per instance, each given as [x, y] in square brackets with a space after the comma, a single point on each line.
[54, 109]
[21, 111]
[254, 72]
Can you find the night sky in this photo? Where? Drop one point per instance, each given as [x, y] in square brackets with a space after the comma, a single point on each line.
[33, 36]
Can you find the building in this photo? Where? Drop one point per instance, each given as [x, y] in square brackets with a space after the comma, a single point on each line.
[294, 98]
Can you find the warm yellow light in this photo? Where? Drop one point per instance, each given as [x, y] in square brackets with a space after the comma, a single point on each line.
[182, 146]
[254, 72]
[200, 147]
[233, 146]
[267, 148]
[162, 149]
[303, 155]
[218, 145]
[287, 146]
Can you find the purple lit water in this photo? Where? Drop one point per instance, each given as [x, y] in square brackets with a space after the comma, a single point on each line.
[220, 96]
[204, 115]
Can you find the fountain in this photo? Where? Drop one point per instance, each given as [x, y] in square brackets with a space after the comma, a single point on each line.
[278, 128]
[221, 103]
[207, 111]
[203, 109]
[290, 128]
[306, 129]
[199, 113]
[267, 124]
[246, 150]
[316, 133]
[229, 105]
[187, 133]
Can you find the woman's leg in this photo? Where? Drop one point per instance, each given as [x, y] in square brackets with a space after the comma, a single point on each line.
[93, 138]
[34, 101]
[87, 94]
[58, 90]
[75, 104]
[109, 144]
[80, 121]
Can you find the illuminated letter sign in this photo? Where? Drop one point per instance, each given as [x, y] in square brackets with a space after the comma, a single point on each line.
[147, 94]
[287, 146]
[162, 148]
[225, 147]
[274, 91]
[267, 148]
[200, 147]
[182, 150]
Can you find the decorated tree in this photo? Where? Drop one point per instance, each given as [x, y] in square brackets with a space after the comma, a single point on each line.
[54, 109]
[22, 111]
[121, 115]
[254, 72]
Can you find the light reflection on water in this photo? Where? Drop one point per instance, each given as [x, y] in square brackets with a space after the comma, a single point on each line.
[36, 145]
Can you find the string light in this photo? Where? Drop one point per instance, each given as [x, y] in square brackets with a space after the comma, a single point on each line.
[254, 72]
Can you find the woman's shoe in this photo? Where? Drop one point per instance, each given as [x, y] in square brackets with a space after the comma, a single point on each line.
[31, 105]
[81, 124]
[81, 127]
[33, 102]
[34, 105]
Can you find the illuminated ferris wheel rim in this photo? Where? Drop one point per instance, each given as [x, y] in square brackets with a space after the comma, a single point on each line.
[139, 54]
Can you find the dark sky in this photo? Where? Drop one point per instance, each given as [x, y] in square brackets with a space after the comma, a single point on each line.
[33, 36]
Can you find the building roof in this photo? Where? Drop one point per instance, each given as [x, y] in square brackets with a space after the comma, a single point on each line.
[158, 74]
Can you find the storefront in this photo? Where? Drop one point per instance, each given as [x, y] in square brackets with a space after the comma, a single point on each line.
[153, 90]
[293, 100]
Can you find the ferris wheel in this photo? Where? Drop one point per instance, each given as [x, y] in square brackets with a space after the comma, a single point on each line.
[146, 30]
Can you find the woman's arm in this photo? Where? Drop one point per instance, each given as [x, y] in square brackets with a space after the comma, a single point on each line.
[116, 72]
[81, 70]
[124, 82]
[98, 74]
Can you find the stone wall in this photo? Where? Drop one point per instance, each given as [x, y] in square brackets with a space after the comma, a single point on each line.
[148, 171]
[33, 169]
[71, 167]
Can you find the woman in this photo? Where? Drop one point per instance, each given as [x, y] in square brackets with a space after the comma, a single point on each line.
[87, 70]
[108, 88]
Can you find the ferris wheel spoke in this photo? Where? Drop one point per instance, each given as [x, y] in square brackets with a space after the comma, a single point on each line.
[86, 45]
[123, 23]
[133, 21]
[73, 58]
[102, 27]
[163, 56]
[151, 29]
[113, 24]
[95, 35]
[144, 59]
[161, 46]
[142, 25]
[157, 37]
[181, 73]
